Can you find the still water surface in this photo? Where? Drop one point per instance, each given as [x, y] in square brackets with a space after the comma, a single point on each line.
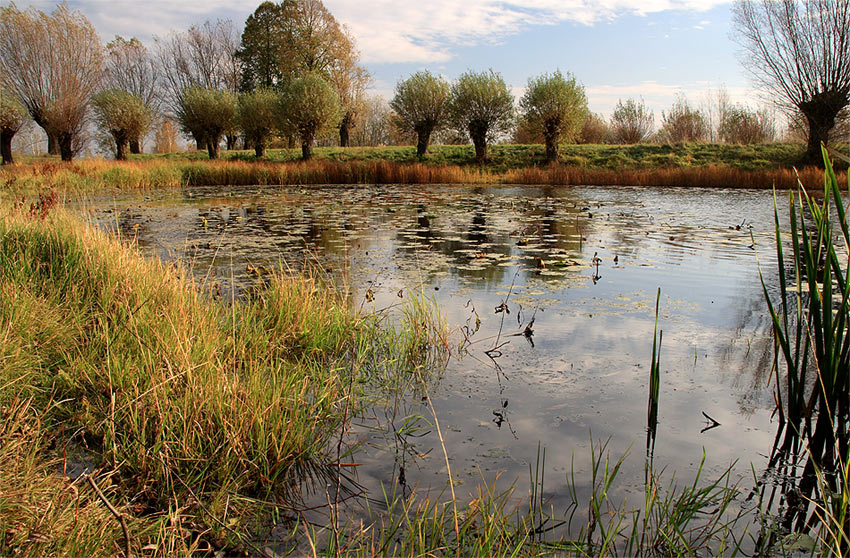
[583, 373]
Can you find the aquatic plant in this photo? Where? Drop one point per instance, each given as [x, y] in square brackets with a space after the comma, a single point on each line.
[810, 321]
[654, 381]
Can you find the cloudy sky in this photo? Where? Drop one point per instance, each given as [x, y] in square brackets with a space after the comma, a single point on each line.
[618, 49]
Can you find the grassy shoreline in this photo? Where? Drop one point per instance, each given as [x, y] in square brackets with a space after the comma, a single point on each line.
[686, 165]
[199, 412]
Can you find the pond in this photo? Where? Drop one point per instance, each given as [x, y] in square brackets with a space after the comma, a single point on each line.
[583, 263]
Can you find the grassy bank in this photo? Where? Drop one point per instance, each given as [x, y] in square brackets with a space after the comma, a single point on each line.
[689, 165]
[510, 157]
[196, 411]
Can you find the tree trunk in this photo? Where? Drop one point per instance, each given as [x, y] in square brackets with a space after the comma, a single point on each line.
[820, 112]
[52, 144]
[478, 133]
[121, 151]
[135, 146]
[344, 134]
[121, 143]
[422, 139]
[200, 142]
[260, 149]
[818, 132]
[307, 147]
[212, 148]
[66, 151]
[231, 141]
[6, 146]
[551, 137]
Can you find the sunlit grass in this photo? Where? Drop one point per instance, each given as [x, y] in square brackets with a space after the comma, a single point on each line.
[197, 407]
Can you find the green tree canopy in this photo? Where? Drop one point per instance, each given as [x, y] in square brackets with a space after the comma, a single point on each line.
[257, 117]
[420, 104]
[12, 117]
[262, 47]
[207, 114]
[481, 105]
[554, 106]
[284, 41]
[309, 107]
[123, 115]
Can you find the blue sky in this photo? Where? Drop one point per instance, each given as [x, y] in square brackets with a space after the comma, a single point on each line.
[617, 48]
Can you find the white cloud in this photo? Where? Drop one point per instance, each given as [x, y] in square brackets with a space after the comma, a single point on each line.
[386, 30]
[390, 31]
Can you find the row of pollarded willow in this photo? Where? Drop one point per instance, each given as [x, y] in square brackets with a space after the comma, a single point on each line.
[54, 64]
[308, 106]
[479, 104]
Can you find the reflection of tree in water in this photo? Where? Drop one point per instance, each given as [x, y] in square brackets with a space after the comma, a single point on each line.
[748, 358]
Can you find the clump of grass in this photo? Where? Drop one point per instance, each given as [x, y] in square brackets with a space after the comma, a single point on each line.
[673, 520]
[229, 403]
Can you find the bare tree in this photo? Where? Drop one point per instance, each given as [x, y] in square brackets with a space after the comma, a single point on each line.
[798, 51]
[683, 123]
[631, 122]
[52, 63]
[374, 123]
[743, 126]
[714, 106]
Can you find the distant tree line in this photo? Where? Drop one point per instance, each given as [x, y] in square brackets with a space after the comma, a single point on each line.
[293, 76]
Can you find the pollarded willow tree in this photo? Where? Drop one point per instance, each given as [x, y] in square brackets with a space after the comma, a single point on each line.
[130, 68]
[52, 63]
[420, 104]
[208, 114]
[12, 117]
[554, 106]
[202, 57]
[481, 105]
[257, 117]
[798, 51]
[123, 115]
[309, 106]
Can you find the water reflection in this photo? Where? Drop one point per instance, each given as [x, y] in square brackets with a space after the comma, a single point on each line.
[584, 365]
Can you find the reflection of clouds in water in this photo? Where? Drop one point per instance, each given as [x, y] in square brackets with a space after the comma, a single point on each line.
[588, 369]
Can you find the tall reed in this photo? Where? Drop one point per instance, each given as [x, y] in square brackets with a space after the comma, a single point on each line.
[810, 320]
[94, 175]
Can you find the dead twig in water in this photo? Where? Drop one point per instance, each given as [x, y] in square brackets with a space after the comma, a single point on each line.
[714, 423]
